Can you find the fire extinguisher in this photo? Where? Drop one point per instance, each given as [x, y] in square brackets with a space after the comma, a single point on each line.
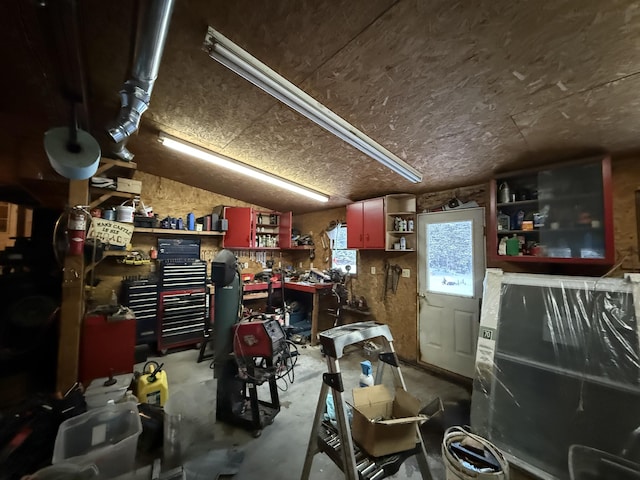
[76, 229]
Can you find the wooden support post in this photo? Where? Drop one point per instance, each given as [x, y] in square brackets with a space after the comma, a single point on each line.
[72, 307]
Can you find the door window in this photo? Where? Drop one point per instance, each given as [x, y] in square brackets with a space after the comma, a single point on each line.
[450, 258]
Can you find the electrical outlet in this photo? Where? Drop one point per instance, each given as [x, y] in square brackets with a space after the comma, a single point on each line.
[311, 265]
[246, 264]
[279, 264]
[406, 273]
[373, 270]
[300, 265]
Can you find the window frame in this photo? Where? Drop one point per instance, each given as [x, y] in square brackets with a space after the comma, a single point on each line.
[343, 227]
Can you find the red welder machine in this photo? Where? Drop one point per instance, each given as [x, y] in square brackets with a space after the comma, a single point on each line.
[263, 338]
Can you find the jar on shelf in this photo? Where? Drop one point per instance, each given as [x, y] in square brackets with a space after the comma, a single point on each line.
[504, 221]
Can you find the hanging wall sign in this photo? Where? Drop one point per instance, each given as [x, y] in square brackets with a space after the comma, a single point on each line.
[110, 232]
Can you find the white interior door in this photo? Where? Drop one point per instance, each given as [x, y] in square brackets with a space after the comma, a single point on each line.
[451, 266]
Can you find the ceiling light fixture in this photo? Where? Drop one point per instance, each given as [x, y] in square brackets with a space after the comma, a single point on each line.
[236, 59]
[238, 167]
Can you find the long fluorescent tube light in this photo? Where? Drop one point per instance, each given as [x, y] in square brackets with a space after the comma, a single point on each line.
[239, 167]
[239, 61]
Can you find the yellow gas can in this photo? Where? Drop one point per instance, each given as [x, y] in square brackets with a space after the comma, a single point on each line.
[152, 386]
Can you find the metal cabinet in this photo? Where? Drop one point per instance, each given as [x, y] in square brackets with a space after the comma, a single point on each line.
[182, 315]
[182, 303]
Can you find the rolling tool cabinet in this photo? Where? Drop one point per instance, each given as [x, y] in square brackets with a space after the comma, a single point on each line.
[337, 442]
[182, 304]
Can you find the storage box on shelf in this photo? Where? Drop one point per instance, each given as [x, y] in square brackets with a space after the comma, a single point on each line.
[366, 224]
[556, 214]
[400, 218]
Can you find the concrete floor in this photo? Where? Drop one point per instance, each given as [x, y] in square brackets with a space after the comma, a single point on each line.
[279, 452]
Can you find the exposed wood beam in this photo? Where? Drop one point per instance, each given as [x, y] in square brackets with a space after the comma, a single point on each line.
[72, 308]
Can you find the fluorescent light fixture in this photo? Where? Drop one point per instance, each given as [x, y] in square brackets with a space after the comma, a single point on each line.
[236, 59]
[238, 167]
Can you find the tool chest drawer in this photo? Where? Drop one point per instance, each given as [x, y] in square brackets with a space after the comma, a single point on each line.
[181, 275]
[182, 315]
[140, 294]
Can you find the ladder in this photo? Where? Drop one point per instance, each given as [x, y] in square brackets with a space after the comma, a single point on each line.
[338, 443]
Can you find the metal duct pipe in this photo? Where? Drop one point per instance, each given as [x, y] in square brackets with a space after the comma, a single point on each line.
[154, 17]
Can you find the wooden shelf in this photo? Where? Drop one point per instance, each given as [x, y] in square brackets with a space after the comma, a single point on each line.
[108, 163]
[255, 296]
[401, 205]
[168, 231]
[106, 194]
[105, 254]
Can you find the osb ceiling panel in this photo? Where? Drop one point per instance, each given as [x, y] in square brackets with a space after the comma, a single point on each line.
[457, 89]
[587, 119]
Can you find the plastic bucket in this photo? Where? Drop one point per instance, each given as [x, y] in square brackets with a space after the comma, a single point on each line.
[109, 214]
[455, 470]
[124, 213]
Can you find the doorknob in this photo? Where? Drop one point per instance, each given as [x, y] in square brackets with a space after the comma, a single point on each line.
[422, 295]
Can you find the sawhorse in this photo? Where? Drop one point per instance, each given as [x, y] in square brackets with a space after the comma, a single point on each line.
[338, 444]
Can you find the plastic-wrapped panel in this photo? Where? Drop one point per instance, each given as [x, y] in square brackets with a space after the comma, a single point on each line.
[558, 364]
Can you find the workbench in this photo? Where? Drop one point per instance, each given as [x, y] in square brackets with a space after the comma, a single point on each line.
[258, 290]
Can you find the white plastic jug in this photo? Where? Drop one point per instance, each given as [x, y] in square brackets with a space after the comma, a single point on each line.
[124, 213]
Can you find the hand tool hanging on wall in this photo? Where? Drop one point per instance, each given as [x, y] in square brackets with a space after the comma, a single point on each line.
[391, 278]
[395, 277]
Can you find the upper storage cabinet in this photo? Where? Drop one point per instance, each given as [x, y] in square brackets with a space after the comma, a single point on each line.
[558, 214]
[241, 232]
[365, 224]
[257, 229]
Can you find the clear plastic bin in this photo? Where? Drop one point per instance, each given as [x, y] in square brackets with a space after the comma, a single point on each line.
[106, 437]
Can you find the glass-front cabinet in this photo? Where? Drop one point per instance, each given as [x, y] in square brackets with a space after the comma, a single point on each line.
[556, 214]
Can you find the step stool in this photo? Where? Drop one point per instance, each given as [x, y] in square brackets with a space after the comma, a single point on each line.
[338, 443]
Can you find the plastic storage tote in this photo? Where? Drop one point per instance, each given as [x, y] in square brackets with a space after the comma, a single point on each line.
[106, 437]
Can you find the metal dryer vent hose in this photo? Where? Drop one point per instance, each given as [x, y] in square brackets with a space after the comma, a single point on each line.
[154, 17]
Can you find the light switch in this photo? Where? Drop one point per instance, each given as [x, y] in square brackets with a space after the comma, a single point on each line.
[406, 273]
[373, 270]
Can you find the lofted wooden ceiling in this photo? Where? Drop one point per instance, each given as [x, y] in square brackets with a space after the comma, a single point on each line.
[459, 90]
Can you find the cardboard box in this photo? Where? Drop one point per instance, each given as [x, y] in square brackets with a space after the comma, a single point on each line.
[382, 424]
[129, 185]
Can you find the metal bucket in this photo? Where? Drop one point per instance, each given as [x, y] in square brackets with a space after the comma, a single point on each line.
[456, 470]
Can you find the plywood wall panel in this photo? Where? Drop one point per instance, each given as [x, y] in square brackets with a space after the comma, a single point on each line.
[168, 197]
[626, 181]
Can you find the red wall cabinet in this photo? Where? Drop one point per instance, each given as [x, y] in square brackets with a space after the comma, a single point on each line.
[241, 232]
[365, 224]
[250, 228]
[561, 213]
